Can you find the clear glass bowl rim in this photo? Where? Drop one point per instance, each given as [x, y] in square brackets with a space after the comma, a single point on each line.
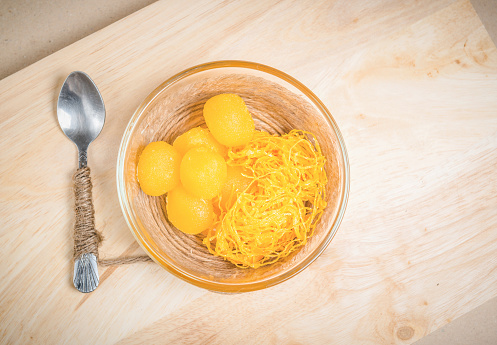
[178, 272]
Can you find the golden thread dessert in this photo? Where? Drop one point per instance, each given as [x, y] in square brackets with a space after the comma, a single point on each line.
[279, 209]
[254, 197]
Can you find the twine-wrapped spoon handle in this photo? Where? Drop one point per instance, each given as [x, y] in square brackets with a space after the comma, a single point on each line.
[86, 237]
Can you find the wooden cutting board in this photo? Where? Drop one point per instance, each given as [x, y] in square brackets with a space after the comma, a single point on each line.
[413, 87]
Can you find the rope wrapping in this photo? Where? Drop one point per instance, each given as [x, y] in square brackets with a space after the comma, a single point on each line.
[86, 237]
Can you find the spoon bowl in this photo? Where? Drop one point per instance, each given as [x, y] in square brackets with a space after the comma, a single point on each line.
[80, 111]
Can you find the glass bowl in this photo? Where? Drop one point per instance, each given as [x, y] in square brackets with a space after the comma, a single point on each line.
[278, 103]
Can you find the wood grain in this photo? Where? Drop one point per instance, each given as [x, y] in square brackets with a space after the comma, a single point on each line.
[412, 86]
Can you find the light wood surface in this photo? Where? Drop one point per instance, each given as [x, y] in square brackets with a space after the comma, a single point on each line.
[412, 86]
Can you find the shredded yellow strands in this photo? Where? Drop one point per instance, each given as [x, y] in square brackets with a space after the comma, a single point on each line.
[282, 205]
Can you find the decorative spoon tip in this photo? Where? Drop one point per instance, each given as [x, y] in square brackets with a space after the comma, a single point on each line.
[86, 273]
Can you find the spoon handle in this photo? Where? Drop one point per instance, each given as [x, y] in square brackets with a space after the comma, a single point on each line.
[86, 237]
[82, 157]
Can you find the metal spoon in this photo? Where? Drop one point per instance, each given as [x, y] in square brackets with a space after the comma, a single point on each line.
[81, 114]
